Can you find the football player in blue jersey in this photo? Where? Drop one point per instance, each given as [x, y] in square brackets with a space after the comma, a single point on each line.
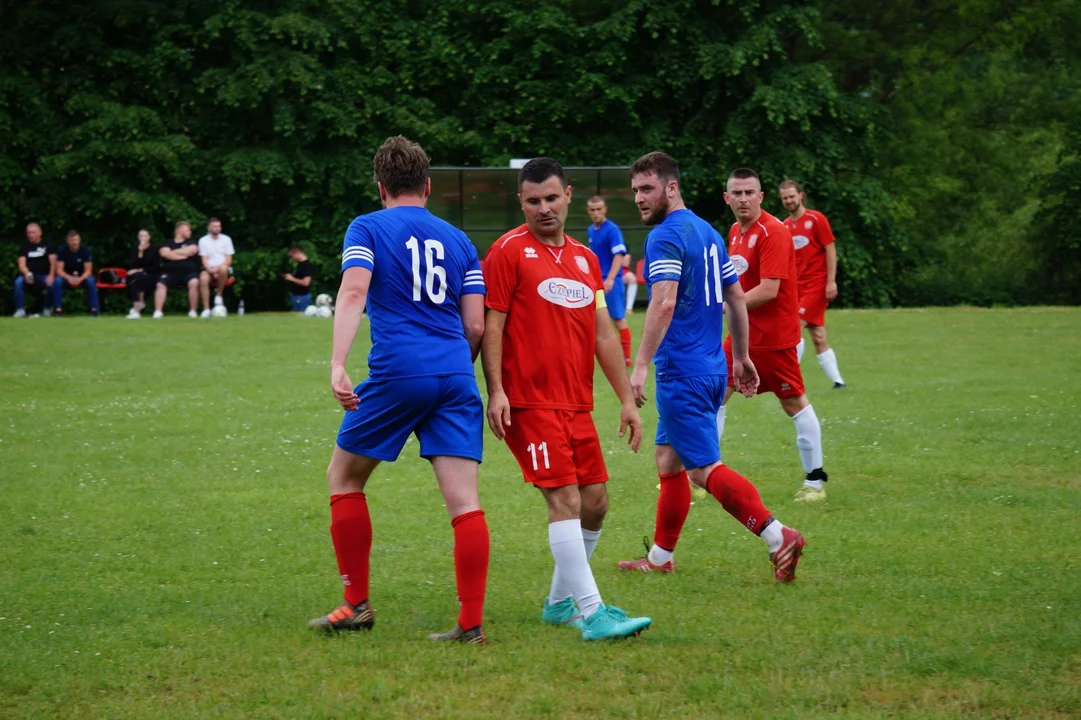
[606, 242]
[690, 276]
[421, 282]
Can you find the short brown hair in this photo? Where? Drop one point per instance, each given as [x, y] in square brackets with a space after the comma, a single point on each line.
[596, 199]
[745, 174]
[540, 169]
[663, 165]
[401, 166]
[790, 184]
[213, 220]
[181, 223]
[72, 233]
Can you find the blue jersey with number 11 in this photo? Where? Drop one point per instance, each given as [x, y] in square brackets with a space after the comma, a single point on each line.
[421, 266]
[686, 249]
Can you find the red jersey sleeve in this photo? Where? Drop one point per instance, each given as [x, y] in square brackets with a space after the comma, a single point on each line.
[500, 277]
[773, 253]
[825, 232]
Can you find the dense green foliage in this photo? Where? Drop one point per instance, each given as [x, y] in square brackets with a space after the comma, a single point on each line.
[933, 133]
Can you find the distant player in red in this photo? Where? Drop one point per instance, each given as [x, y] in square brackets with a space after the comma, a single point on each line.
[816, 263]
[761, 250]
[546, 321]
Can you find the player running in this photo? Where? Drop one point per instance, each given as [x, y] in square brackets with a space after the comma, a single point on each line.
[689, 276]
[546, 321]
[421, 281]
[816, 263]
[606, 242]
[762, 252]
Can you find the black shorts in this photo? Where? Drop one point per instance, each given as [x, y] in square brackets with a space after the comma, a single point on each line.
[175, 279]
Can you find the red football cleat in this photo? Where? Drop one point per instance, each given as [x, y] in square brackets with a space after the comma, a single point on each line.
[785, 559]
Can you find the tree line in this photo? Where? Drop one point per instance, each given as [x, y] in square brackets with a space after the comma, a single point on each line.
[943, 139]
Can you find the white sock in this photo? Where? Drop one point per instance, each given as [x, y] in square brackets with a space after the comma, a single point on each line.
[816, 484]
[632, 292]
[808, 438]
[589, 539]
[828, 361]
[720, 423]
[217, 300]
[799, 351]
[572, 565]
[659, 556]
[772, 535]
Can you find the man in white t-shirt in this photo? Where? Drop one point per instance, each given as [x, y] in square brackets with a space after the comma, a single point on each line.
[216, 252]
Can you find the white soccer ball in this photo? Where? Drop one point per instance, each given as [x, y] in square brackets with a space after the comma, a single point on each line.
[219, 311]
[311, 311]
[323, 300]
[325, 312]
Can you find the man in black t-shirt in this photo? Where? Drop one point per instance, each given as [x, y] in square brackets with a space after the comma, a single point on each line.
[300, 280]
[75, 269]
[179, 268]
[37, 270]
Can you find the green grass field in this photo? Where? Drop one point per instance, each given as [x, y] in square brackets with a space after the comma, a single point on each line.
[164, 538]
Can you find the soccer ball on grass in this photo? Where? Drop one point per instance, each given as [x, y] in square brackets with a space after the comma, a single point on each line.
[219, 311]
[311, 311]
[323, 300]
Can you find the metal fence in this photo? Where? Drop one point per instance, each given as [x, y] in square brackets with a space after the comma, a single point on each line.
[483, 202]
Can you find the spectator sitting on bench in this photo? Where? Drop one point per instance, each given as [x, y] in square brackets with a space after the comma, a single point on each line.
[179, 268]
[300, 280]
[216, 251]
[37, 271]
[142, 273]
[75, 269]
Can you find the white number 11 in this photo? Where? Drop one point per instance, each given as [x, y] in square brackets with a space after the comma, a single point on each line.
[543, 447]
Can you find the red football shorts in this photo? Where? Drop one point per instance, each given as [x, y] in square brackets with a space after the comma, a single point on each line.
[778, 371]
[812, 305]
[556, 448]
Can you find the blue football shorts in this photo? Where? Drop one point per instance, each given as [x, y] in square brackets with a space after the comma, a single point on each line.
[446, 413]
[617, 300]
[687, 408]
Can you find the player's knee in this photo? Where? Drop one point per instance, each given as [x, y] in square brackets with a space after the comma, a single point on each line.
[594, 507]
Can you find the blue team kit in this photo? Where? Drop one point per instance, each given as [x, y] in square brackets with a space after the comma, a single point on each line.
[691, 368]
[420, 368]
[606, 242]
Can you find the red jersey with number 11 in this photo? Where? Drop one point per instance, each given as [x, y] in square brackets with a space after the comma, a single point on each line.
[550, 295]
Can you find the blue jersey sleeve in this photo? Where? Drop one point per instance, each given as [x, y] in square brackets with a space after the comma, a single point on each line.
[358, 248]
[664, 257]
[728, 270]
[474, 278]
[615, 241]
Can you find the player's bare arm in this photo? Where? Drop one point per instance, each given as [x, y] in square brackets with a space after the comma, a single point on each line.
[471, 308]
[349, 307]
[491, 354]
[610, 356]
[743, 370]
[617, 264]
[831, 271]
[762, 293]
[662, 305]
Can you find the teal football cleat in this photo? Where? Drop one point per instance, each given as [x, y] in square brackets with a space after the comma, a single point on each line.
[611, 623]
[564, 612]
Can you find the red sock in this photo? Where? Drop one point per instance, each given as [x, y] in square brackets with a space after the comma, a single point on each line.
[672, 508]
[625, 341]
[739, 497]
[351, 530]
[471, 550]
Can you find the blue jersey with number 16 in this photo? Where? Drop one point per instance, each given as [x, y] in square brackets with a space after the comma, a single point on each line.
[686, 249]
[421, 266]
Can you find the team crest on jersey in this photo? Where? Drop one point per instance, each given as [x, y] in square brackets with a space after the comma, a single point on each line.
[801, 241]
[566, 293]
[583, 265]
[752, 240]
[739, 263]
[530, 252]
[808, 224]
